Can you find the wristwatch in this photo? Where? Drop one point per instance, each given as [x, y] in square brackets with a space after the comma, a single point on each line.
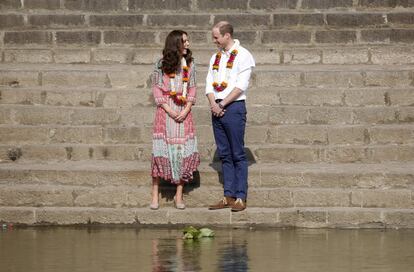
[221, 106]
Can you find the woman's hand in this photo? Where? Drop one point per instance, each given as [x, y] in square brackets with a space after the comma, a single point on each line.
[182, 115]
[172, 113]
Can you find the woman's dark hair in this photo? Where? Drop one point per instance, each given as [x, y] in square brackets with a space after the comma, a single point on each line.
[172, 52]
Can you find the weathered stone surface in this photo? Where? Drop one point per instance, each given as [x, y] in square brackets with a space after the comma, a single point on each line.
[392, 134]
[123, 135]
[10, 4]
[376, 35]
[327, 115]
[256, 216]
[298, 56]
[401, 18]
[19, 134]
[19, 78]
[295, 19]
[382, 198]
[277, 79]
[160, 4]
[119, 56]
[392, 78]
[96, 5]
[72, 55]
[57, 20]
[63, 216]
[347, 135]
[323, 4]
[116, 20]
[10, 21]
[128, 37]
[251, 20]
[295, 134]
[340, 154]
[203, 217]
[406, 115]
[84, 134]
[400, 219]
[365, 97]
[78, 37]
[69, 98]
[321, 198]
[374, 115]
[42, 4]
[352, 218]
[285, 36]
[74, 78]
[355, 20]
[345, 56]
[333, 79]
[311, 97]
[17, 215]
[385, 3]
[288, 115]
[307, 218]
[25, 97]
[28, 37]
[392, 55]
[28, 56]
[287, 154]
[38, 116]
[179, 20]
[335, 36]
[273, 4]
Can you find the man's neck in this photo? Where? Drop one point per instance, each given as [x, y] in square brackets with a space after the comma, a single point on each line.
[230, 45]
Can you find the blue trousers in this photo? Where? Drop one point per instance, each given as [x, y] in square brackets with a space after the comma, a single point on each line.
[229, 136]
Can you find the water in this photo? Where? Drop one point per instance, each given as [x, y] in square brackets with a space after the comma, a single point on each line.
[132, 249]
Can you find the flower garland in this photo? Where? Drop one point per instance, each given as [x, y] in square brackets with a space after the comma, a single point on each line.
[223, 85]
[180, 99]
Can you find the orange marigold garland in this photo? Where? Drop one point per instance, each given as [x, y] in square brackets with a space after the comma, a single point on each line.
[223, 85]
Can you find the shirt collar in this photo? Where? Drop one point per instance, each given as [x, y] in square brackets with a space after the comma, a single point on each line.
[235, 46]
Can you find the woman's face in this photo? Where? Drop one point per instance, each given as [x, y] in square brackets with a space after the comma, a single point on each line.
[186, 44]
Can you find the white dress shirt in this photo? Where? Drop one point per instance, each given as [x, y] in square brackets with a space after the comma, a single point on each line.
[239, 75]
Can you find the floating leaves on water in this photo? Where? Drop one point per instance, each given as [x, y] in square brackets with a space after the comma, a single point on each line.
[193, 233]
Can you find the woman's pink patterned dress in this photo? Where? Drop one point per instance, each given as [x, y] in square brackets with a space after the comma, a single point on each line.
[174, 152]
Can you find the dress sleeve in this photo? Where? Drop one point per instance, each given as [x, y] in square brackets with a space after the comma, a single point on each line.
[157, 85]
[191, 92]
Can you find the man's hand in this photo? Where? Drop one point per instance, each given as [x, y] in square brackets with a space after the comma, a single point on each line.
[216, 110]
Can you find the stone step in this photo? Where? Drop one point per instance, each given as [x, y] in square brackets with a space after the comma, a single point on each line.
[267, 217]
[363, 54]
[193, 5]
[205, 21]
[262, 152]
[347, 176]
[258, 115]
[150, 37]
[140, 197]
[95, 97]
[323, 135]
[137, 76]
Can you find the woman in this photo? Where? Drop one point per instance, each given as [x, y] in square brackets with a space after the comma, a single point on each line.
[174, 155]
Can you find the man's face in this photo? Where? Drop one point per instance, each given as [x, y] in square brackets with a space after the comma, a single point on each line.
[220, 40]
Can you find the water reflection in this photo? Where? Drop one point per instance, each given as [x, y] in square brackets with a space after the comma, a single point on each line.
[132, 249]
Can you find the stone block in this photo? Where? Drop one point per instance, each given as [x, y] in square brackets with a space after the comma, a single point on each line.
[74, 78]
[307, 218]
[288, 115]
[10, 21]
[96, 5]
[273, 4]
[16, 96]
[174, 5]
[355, 19]
[115, 56]
[402, 36]
[116, 20]
[330, 180]
[404, 18]
[245, 37]
[297, 19]
[266, 56]
[35, 195]
[365, 97]
[69, 98]
[329, 115]
[393, 78]
[260, 117]
[286, 36]
[42, 115]
[335, 36]
[20, 215]
[72, 55]
[202, 196]
[43, 153]
[391, 135]
[63, 216]
[382, 198]
[205, 134]
[302, 135]
[10, 4]
[281, 178]
[178, 20]
[244, 20]
[128, 79]
[124, 98]
[28, 56]
[95, 116]
[346, 154]
[5, 116]
[56, 20]
[333, 79]
[276, 78]
[406, 115]
[147, 56]
[374, 115]
[262, 96]
[129, 37]
[376, 35]
[22, 135]
[321, 198]
[42, 4]
[123, 135]
[326, 4]
[386, 153]
[355, 218]
[392, 55]
[28, 37]
[287, 154]
[398, 180]
[204, 217]
[78, 37]
[145, 216]
[112, 216]
[222, 5]
[19, 78]
[347, 135]
[399, 219]
[345, 56]
[301, 56]
[274, 198]
[311, 97]
[255, 134]
[256, 217]
[81, 135]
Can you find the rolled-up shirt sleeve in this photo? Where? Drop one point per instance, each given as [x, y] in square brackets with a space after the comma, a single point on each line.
[243, 79]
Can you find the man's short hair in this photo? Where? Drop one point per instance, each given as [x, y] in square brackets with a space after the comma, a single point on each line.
[224, 27]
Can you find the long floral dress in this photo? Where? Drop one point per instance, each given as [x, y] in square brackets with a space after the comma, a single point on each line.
[174, 152]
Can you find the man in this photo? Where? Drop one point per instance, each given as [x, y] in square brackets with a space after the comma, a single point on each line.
[226, 85]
